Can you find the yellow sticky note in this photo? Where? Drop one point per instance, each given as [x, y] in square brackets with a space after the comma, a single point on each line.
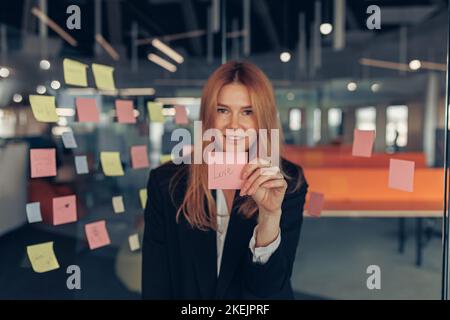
[118, 204]
[44, 108]
[165, 158]
[143, 197]
[75, 73]
[111, 164]
[42, 257]
[155, 111]
[103, 76]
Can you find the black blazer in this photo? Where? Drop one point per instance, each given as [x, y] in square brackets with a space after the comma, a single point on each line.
[179, 262]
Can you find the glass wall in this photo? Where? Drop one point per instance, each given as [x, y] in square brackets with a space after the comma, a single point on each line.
[362, 111]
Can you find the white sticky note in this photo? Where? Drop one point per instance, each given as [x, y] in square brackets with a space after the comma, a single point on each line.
[118, 204]
[133, 240]
[81, 165]
[69, 140]
[34, 212]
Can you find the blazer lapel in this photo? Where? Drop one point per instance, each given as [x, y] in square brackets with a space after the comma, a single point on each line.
[204, 252]
[237, 239]
[201, 246]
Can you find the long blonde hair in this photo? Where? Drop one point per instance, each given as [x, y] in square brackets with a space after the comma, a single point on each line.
[263, 105]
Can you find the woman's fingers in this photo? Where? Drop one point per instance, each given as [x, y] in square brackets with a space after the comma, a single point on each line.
[261, 180]
[278, 183]
[250, 167]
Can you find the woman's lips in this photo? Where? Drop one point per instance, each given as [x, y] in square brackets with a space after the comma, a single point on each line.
[234, 138]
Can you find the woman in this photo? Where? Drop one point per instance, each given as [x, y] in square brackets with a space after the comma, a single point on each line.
[225, 244]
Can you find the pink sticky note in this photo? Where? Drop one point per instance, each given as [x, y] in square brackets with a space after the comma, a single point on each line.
[64, 210]
[315, 205]
[139, 157]
[181, 115]
[187, 149]
[226, 174]
[96, 234]
[125, 111]
[87, 110]
[43, 162]
[363, 143]
[401, 175]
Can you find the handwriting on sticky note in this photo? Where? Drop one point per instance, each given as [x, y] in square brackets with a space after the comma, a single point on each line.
[69, 140]
[64, 209]
[117, 203]
[42, 257]
[315, 204]
[111, 164]
[133, 241]
[43, 162]
[143, 197]
[44, 108]
[125, 111]
[139, 157]
[225, 172]
[401, 175]
[97, 234]
[34, 212]
[181, 115]
[103, 76]
[363, 143]
[155, 111]
[87, 110]
[81, 165]
[75, 73]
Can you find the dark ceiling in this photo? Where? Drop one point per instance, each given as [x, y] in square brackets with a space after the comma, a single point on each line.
[274, 23]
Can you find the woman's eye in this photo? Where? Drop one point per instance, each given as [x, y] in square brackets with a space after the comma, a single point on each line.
[222, 110]
[247, 112]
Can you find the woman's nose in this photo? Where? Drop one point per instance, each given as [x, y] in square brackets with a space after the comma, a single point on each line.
[234, 121]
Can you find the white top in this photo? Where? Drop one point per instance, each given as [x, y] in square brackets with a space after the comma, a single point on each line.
[260, 255]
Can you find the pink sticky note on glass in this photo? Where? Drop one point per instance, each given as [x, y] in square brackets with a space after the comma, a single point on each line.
[96, 234]
[181, 115]
[363, 143]
[64, 210]
[187, 149]
[43, 162]
[87, 110]
[125, 111]
[225, 172]
[401, 175]
[315, 204]
[139, 157]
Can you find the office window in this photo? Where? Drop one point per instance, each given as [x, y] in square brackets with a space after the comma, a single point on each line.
[366, 118]
[295, 119]
[334, 117]
[397, 122]
[317, 124]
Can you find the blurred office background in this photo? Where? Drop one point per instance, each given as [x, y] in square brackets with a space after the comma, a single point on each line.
[331, 74]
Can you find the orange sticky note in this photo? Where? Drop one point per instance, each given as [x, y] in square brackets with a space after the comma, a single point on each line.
[401, 175]
[181, 115]
[64, 209]
[43, 162]
[87, 110]
[125, 111]
[315, 204]
[139, 157]
[96, 234]
[363, 143]
[224, 170]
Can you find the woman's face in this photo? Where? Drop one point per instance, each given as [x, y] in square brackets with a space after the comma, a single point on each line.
[234, 111]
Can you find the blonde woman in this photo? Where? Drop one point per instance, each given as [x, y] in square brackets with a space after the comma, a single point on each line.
[225, 244]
